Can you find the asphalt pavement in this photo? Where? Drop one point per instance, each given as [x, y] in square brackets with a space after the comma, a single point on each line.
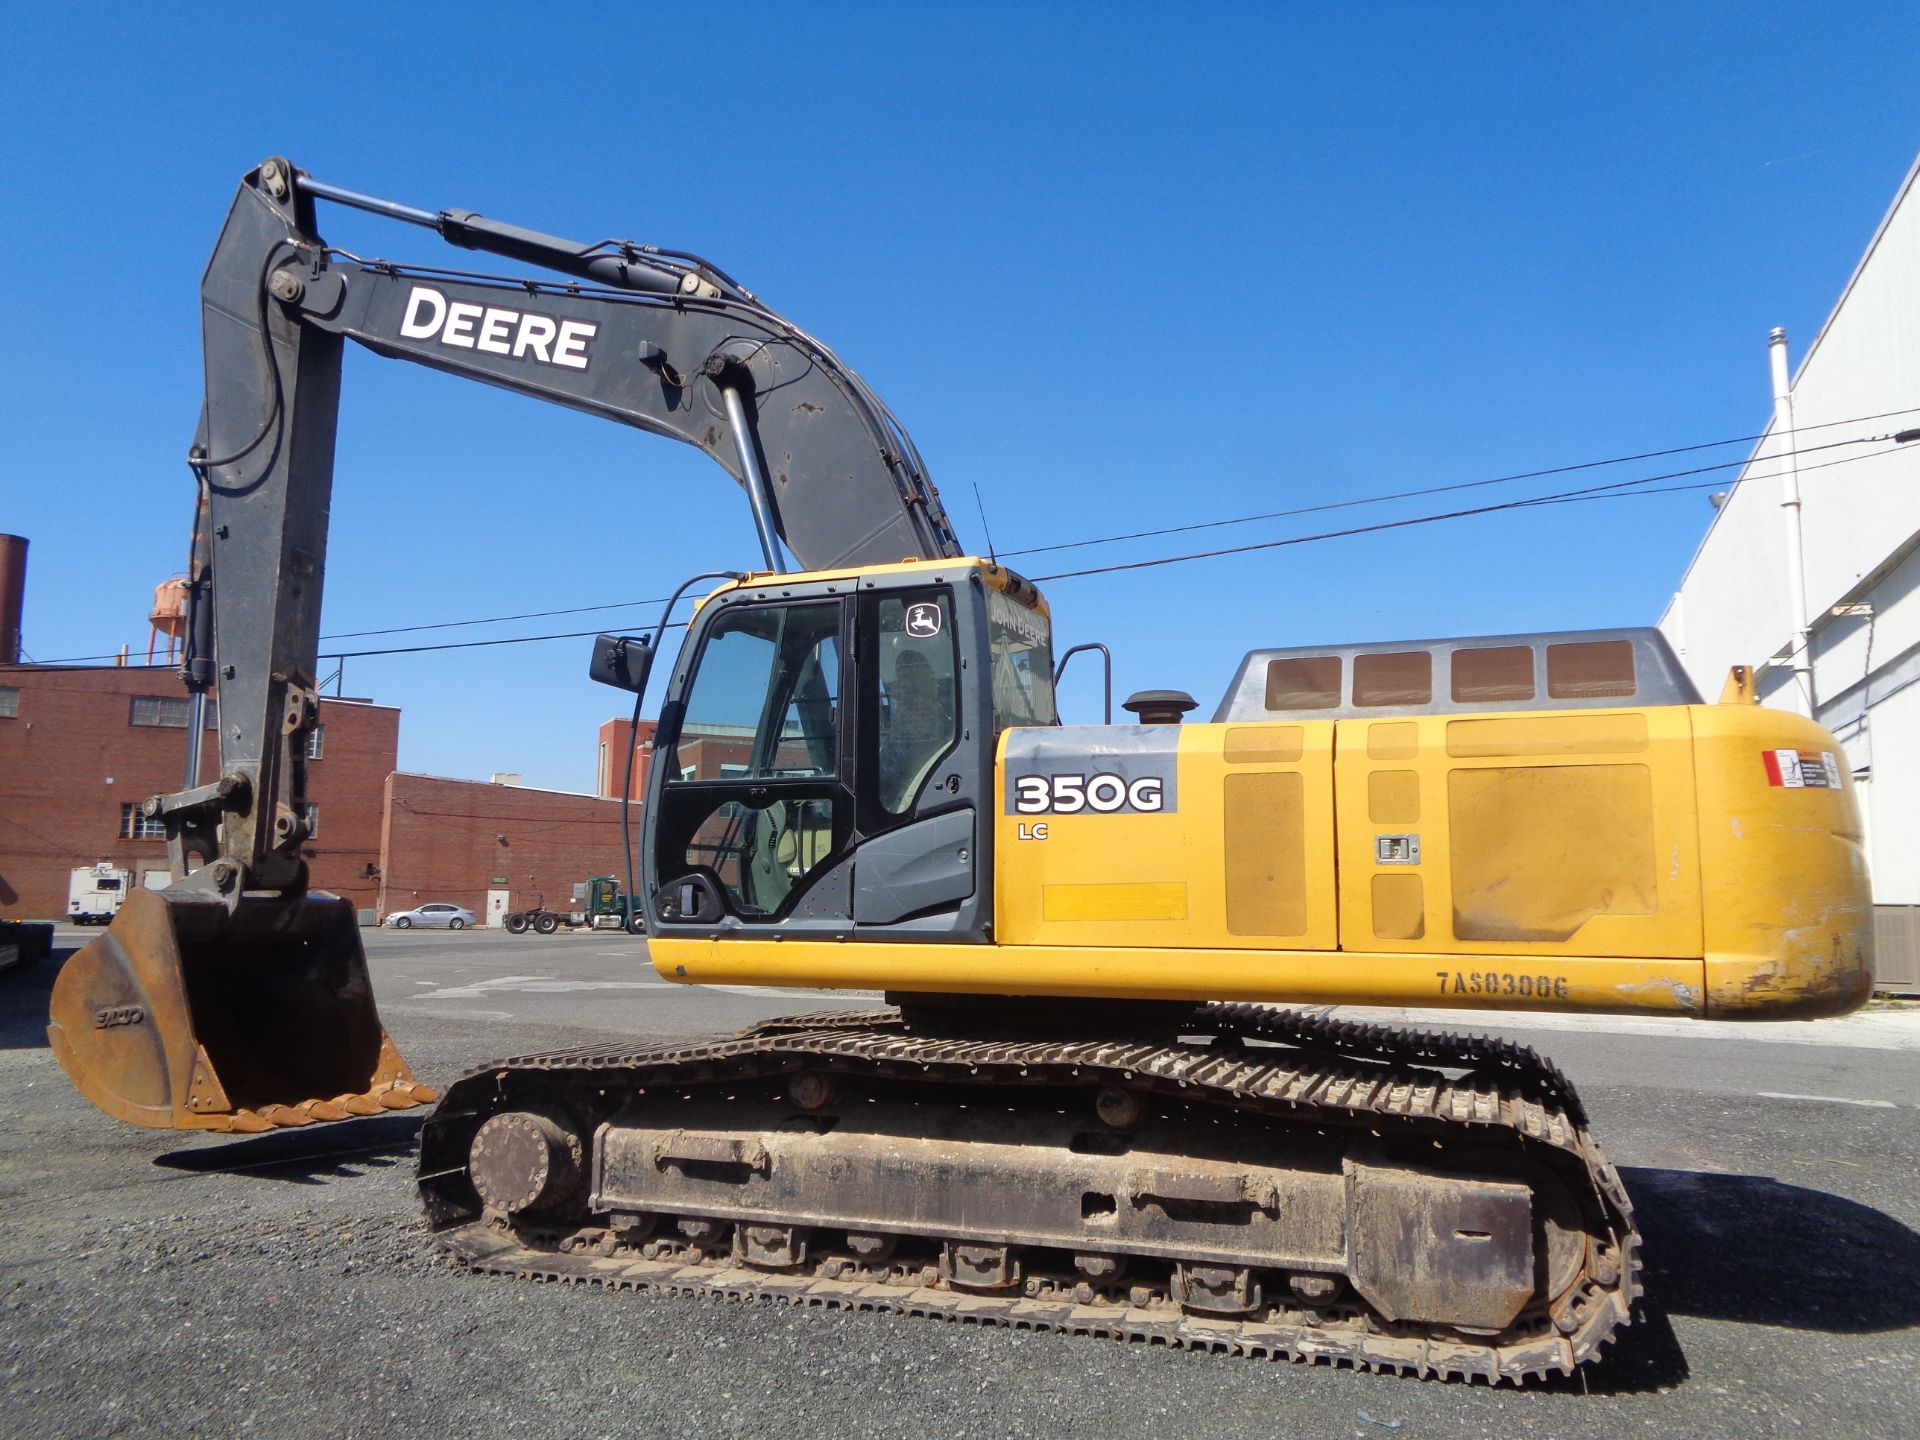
[156, 1283]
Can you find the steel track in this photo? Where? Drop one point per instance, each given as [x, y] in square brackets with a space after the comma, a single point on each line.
[1319, 1072]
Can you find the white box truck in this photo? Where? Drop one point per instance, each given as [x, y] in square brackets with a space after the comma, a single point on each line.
[95, 892]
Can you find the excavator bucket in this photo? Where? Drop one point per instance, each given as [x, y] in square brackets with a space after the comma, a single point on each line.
[185, 1017]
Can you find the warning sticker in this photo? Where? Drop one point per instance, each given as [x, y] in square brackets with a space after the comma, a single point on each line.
[1802, 769]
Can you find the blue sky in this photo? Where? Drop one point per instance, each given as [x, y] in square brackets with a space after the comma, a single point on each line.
[1119, 266]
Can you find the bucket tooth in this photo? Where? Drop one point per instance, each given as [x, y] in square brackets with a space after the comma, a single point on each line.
[389, 1069]
[184, 1015]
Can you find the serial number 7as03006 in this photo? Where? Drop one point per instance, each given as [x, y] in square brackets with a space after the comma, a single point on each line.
[1502, 982]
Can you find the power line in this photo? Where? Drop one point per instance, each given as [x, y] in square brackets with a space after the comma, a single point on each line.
[1462, 485]
[479, 644]
[1615, 491]
[493, 619]
[1204, 524]
[1619, 489]
[1593, 492]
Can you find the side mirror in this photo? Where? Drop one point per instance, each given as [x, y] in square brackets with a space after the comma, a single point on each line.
[622, 661]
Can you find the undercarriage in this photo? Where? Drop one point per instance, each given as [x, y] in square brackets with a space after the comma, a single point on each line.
[1265, 1183]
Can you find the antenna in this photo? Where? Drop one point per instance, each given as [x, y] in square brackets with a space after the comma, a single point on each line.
[983, 522]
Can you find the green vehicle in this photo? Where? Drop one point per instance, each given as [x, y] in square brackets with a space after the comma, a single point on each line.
[598, 905]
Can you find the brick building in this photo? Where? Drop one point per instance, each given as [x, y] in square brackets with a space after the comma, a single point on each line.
[459, 840]
[81, 748]
[706, 752]
[615, 738]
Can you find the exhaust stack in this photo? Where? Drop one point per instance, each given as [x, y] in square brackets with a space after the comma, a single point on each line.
[13, 595]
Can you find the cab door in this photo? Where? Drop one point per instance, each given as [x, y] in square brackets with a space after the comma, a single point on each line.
[917, 819]
[752, 801]
[822, 753]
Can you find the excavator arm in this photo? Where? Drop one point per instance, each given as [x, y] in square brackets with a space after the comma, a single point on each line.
[658, 340]
[236, 995]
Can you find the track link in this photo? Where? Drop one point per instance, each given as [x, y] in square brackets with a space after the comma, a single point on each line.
[1287, 1068]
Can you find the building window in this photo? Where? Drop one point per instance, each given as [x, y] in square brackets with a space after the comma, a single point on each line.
[9, 701]
[167, 711]
[137, 826]
[316, 742]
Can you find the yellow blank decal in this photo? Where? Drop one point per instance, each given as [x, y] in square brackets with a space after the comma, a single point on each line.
[1266, 861]
[1399, 740]
[1393, 798]
[1537, 852]
[1548, 735]
[1399, 907]
[1264, 744]
[1163, 901]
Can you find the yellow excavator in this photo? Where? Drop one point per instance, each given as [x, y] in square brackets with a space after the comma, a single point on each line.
[1080, 1108]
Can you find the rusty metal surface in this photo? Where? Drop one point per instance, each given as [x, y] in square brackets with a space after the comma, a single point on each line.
[1427, 1248]
[183, 1016]
[1385, 1214]
[1242, 1199]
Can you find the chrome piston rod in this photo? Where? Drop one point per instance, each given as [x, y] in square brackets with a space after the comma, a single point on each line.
[756, 478]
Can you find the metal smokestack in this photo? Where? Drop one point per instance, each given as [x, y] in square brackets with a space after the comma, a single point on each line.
[1790, 506]
[13, 595]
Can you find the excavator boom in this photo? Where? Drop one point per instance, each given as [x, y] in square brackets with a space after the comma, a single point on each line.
[237, 999]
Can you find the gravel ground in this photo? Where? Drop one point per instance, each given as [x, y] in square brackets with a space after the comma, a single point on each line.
[158, 1284]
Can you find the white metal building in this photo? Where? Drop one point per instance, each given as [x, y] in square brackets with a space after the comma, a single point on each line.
[1849, 651]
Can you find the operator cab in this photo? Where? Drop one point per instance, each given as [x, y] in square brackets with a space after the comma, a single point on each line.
[824, 759]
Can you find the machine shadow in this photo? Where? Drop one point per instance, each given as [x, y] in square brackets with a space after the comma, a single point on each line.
[1755, 1251]
[25, 992]
[312, 1155]
[1758, 1251]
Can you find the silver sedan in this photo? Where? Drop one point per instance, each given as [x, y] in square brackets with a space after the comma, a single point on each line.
[431, 917]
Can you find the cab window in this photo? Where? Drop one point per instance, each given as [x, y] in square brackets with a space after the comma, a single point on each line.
[754, 797]
[1020, 641]
[914, 693]
[765, 703]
